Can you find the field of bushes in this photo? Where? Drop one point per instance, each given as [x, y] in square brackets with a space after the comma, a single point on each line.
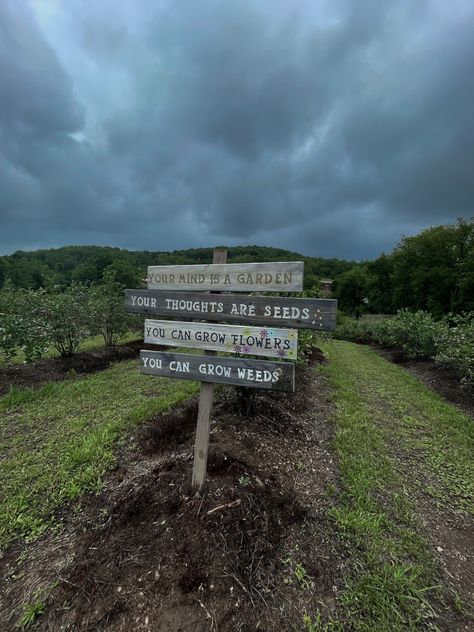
[36, 322]
[449, 341]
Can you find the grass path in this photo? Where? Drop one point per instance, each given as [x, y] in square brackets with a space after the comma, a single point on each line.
[402, 451]
[406, 476]
[58, 441]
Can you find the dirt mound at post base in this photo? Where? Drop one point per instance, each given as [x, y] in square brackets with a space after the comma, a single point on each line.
[164, 552]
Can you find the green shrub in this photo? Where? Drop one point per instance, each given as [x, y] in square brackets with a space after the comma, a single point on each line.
[9, 336]
[415, 333]
[67, 315]
[449, 342]
[106, 310]
[360, 331]
[455, 346]
[22, 326]
[381, 333]
[307, 340]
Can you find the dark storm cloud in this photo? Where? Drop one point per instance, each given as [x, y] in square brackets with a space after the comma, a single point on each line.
[36, 92]
[326, 128]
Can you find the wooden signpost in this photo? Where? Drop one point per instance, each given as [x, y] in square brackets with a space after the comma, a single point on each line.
[237, 277]
[172, 292]
[261, 341]
[302, 313]
[276, 376]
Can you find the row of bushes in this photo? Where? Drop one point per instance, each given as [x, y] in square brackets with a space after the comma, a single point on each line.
[450, 341]
[35, 320]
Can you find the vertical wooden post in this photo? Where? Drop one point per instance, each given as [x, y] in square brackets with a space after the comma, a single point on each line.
[201, 445]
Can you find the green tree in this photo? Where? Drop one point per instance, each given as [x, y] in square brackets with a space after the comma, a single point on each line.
[432, 271]
[351, 290]
[380, 288]
[124, 273]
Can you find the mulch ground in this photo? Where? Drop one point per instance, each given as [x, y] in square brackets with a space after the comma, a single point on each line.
[57, 369]
[255, 552]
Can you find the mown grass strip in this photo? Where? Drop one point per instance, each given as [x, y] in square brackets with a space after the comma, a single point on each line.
[391, 583]
[57, 442]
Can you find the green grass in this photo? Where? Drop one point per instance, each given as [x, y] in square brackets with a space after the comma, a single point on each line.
[57, 442]
[392, 435]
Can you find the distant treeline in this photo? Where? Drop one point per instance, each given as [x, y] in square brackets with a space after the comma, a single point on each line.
[89, 264]
[433, 271]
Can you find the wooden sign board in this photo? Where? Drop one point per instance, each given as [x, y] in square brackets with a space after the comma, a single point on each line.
[275, 376]
[260, 341]
[307, 313]
[286, 276]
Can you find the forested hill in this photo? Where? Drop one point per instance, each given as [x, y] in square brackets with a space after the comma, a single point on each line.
[60, 266]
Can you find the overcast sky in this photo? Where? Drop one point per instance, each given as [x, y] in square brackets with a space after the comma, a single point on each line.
[329, 128]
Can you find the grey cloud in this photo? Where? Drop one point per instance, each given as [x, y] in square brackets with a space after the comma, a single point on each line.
[325, 128]
[36, 92]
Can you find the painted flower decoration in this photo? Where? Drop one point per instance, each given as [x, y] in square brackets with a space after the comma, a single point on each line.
[237, 349]
[281, 353]
[263, 333]
[246, 349]
[247, 331]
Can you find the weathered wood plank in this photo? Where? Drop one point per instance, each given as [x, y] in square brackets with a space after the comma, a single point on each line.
[201, 442]
[265, 374]
[303, 313]
[203, 426]
[260, 341]
[281, 276]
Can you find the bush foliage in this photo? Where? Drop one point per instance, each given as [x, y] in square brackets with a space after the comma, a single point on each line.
[22, 324]
[108, 316]
[450, 341]
[32, 321]
[455, 346]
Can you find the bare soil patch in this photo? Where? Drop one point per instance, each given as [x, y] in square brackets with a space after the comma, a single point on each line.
[56, 369]
[255, 552]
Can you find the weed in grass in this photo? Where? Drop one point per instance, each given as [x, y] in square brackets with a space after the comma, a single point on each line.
[358, 521]
[244, 481]
[304, 581]
[297, 574]
[31, 611]
[310, 625]
[17, 397]
[316, 623]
